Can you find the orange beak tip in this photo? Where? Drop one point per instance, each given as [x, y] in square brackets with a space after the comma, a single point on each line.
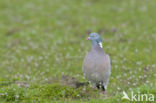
[87, 38]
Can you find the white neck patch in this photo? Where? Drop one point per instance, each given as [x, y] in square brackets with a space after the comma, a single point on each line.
[100, 44]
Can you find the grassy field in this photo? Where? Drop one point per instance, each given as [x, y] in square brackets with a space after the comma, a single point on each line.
[42, 47]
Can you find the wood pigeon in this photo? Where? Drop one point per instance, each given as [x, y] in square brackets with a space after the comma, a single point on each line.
[96, 66]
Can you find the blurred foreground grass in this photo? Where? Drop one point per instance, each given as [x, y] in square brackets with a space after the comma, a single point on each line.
[43, 44]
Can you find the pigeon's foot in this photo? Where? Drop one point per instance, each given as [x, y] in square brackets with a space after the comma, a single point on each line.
[98, 86]
[103, 92]
[103, 88]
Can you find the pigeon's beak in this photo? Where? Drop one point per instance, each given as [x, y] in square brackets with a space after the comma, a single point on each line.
[88, 38]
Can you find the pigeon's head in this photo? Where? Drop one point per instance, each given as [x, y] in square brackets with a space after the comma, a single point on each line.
[95, 39]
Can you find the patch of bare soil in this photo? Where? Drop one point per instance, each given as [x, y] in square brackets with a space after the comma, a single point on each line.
[67, 80]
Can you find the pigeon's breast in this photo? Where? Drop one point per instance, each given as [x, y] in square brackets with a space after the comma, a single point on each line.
[96, 66]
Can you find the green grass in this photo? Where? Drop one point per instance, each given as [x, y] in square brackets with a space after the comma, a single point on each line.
[43, 45]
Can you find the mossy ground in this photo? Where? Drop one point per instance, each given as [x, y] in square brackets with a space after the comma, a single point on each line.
[44, 40]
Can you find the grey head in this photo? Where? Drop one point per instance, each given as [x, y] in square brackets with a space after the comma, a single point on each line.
[95, 39]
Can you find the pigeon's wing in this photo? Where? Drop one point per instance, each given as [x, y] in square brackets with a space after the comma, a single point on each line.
[103, 62]
[103, 67]
[108, 61]
[88, 64]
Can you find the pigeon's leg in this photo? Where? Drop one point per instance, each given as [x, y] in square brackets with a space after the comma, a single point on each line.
[98, 86]
[103, 88]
